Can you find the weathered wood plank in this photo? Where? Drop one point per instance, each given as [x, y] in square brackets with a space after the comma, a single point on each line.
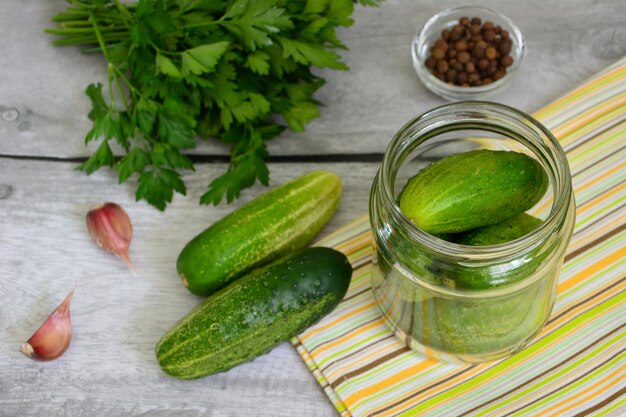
[110, 367]
[43, 108]
[45, 249]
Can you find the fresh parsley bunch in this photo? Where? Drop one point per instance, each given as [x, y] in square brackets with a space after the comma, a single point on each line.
[177, 69]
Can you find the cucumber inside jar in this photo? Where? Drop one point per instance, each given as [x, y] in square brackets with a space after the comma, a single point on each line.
[480, 325]
[477, 198]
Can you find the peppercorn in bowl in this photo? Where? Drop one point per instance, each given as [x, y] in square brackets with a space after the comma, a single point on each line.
[467, 53]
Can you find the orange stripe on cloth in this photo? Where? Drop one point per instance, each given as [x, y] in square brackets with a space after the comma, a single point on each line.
[597, 200]
[584, 238]
[592, 269]
[354, 245]
[562, 412]
[582, 307]
[584, 118]
[357, 331]
[401, 402]
[307, 334]
[601, 177]
[582, 187]
[386, 379]
[577, 93]
[392, 380]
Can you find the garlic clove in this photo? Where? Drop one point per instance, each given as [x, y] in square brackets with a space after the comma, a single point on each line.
[52, 339]
[110, 226]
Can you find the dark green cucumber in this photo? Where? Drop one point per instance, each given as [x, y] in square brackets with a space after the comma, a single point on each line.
[255, 313]
[498, 233]
[473, 189]
[271, 226]
[484, 277]
[479, 326]
[480, 277]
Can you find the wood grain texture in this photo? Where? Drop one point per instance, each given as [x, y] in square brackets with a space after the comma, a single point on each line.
[567, 42]
[110, 368]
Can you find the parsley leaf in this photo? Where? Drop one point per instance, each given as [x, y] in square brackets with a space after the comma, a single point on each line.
[305, 53]
[102, 157]
[254, 20]
[134, 161]
[239, 71]
[202, 59]
[157, 187]
[167, 67]
[247, 164]
[176, 131]
[258, 62]
[98, 105]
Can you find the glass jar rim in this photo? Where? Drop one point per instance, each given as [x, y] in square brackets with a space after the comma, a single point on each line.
[544, 141]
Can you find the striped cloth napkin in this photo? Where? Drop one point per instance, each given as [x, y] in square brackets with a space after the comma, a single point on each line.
[575, 367]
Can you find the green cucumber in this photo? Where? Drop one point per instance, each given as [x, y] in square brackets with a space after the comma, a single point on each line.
[271, 226]
[480, 326]
[473, 189]
[498, 233]
[255, 313]
[484, 277]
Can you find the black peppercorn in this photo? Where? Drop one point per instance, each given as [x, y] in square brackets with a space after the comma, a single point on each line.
[438, 54]
[505, 46]
[489, 36]
[506, 61]
[441, 44]
[470, 53]
[431, 62]
[463, 57]
[442, 67]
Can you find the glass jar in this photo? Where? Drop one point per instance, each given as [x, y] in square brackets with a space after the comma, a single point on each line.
[415, 275]
[446, 19]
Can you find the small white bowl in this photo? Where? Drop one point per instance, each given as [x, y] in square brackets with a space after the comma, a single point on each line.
[431, 31]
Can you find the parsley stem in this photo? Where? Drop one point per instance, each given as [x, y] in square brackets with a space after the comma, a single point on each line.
[110, 66]
[92, 50]
[76, 10]
[70, 14]
[122, 93]
[81, 40]
[111, 75]
[83, 30]
[203, 24]
[120, 74]
[96, 29]
[126, 16]
[163, 51]
[75, 23]
[82, 15]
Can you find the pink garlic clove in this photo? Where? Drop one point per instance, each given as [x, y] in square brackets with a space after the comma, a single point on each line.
[52, 339]
[110, 226]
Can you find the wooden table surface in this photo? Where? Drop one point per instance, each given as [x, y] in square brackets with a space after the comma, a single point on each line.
[110, 369]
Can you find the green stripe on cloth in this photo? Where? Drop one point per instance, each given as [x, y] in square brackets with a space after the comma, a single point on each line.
[575, 366]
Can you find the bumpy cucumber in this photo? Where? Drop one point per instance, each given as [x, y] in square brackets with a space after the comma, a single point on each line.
[479, 326]
[271, 226]
[478, 278]
[473, 189]
[498, 233]
[255, 313]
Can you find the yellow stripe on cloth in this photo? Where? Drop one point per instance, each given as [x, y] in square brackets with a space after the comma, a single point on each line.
[575, 366]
